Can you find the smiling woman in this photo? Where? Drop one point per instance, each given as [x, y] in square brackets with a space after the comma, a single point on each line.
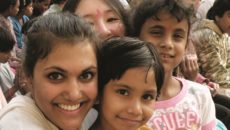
[62, 70]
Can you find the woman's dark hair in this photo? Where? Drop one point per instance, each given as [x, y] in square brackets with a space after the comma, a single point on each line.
[7, 40]
[5, 4]
[49, 29]
[116, 5]
[117, 55]
[218, 9]
[152, 8]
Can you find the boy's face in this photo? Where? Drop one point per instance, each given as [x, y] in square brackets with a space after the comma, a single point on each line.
[168, 36]
[128, 103]
[64, 84]
[4, 56]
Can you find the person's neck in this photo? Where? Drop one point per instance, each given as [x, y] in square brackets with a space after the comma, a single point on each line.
[170, 88]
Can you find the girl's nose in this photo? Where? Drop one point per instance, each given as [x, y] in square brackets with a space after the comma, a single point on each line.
[104, 31]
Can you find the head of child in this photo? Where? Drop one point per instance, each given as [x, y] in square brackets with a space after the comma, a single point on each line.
[61, 65]
[130, 78]
[164, 23]
[9, 7]
[26, 7]
[7, 43]
[109, 17]
[220, 12]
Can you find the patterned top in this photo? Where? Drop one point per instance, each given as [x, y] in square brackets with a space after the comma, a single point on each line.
[213, 50]
[191, 109]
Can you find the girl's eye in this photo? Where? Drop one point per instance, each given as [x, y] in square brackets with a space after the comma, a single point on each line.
[123, 92]
[156, 33]
[86, 76]
[55, 76]
[148, 97]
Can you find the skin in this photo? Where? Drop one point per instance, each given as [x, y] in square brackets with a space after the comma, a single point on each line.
[169, 37]
[105, 21]
[5, 56]
[127, 103]
[44, 5]
[28, 10]
[224, 22]
[65, 89]
[14, 9]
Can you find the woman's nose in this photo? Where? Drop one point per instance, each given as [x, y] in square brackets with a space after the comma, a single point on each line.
[104, 31]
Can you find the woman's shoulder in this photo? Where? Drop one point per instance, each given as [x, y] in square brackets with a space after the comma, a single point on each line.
[22, 114]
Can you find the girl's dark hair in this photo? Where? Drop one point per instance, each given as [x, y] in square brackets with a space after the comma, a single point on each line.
[218, 9]
[151, 8]
[7, 40]
[116, 5]
[23, 4]
[5, 4]
[49, 29]
[117, 55]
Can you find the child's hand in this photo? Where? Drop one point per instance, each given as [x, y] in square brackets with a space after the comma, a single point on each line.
[189, 67]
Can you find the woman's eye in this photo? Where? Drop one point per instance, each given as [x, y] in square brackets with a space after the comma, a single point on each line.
[148, 97]
[123, 92]
[55, 76]
[86, 75]
[156, 33]
[112, 19]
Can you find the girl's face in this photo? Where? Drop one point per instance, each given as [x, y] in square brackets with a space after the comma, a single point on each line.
[224, 22]
[128, 103]
[168, 36]
[14, 8]
[64, 84]
[29, 10]
[104, 19]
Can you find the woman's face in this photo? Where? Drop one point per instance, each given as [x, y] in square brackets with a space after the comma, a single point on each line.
[224, 22]
[64, 84]
[44, 5]
[128, 103]
[104, 19]
[29, 10]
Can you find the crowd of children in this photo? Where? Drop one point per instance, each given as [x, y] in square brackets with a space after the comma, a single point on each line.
[114, 65]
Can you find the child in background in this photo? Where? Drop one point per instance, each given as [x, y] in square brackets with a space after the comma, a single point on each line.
[182, 104]
[130, 78]
[61, 66]
[7, 44]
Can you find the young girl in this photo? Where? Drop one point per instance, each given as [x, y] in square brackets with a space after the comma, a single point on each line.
[182, 104]
[130, 78]
[108, 17]
[61, 66]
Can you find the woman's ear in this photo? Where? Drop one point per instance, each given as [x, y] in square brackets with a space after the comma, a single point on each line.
[217, 18]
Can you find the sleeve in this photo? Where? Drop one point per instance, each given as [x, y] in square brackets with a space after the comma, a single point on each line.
[208, 110]
[213, 55]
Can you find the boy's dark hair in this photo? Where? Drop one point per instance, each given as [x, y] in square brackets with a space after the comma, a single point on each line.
[218, 9]
[117, 55]
[151, 8]
[7, 40]
[49, 29]
[116, 5]
[58, 1]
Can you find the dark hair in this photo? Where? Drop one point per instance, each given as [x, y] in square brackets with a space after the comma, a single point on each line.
[117, 55]
[49, 29]
[7, 40]
[218, 9]
[23, 4]
[151, 8]
[58, 1]
[5, 4]
[116, 5]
